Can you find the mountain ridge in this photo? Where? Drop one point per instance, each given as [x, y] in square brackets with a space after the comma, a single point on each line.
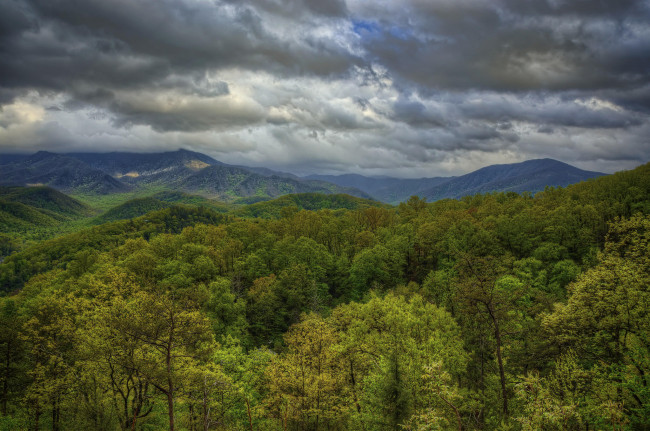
[197, 173]
[181, 170]
[27, 208]
[528, 176]
[60, 172]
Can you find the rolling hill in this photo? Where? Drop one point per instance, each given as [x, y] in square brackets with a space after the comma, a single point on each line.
[60, 172]
[131, 209]
[31, 208]
[305, 201]
[182, 170]
[143, 174]
[529, 176]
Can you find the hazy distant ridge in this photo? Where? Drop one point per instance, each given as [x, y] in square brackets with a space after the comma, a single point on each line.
[180, 170]
[197, 173]
[529, 176]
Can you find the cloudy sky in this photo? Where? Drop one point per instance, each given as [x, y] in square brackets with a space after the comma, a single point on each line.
[398, 87]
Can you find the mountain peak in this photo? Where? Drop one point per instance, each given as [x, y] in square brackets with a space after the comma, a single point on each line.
[528, 176]
[41, 155]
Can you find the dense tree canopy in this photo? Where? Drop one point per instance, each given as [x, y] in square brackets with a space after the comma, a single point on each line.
[492, 312]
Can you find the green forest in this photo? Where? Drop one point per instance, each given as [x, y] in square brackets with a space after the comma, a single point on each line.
[499, 311]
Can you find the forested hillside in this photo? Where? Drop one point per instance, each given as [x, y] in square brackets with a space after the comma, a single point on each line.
[116, 174]
[34, 213]
[492, 312]
[529, 176]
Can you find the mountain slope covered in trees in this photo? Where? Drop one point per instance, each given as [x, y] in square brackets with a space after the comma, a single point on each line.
[142, 174]
[88, 174]
[495, 311]
[529, 176]
[33, 212]
[60, 172]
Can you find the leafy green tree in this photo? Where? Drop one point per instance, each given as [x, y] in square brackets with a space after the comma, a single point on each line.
[375, 268]
[8, 245]
[172, 338]
[307, 389]
[50, 336]
[445, 403]
[607, 317]
[227, 313]
[557, 402]
[484, 293]
[386, 345]
[12, 354]
[241, 404]
[265, 311]
[202, 394]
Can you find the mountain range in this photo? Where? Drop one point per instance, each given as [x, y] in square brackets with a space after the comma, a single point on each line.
[529, 176]
[181, 170]
[192, 172]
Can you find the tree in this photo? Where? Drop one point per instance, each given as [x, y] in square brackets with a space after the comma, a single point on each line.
[483, 292]
[607, 316]
[50, 336]
[171, 338]
[227, 313]
[438, 383]
[11, 353]
[306, 382]
[386, 345]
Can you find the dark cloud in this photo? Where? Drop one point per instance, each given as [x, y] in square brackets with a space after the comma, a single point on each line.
[550, 110]
[512, 46]
[129, 43]
[299, 84]
[298, 8]
[575, 8]
[416, 114]
[637, 99]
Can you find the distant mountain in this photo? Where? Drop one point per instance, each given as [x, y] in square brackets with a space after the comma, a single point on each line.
[268, 172]
[529, 176]
[133, 166]
[61, 172]
[385, 189]
[229, 182]
[192, 172]
[180, 170]
[197, 173]
[5, 159]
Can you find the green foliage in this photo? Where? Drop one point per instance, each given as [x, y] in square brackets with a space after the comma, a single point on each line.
[314, 312]
[131, 209]
[607, 317]
[305, 201]
[46, 199]
[35, 213]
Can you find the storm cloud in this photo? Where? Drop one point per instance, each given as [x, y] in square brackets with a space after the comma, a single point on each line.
[398, 87]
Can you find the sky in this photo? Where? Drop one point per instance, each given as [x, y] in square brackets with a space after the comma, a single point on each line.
[406, 88]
